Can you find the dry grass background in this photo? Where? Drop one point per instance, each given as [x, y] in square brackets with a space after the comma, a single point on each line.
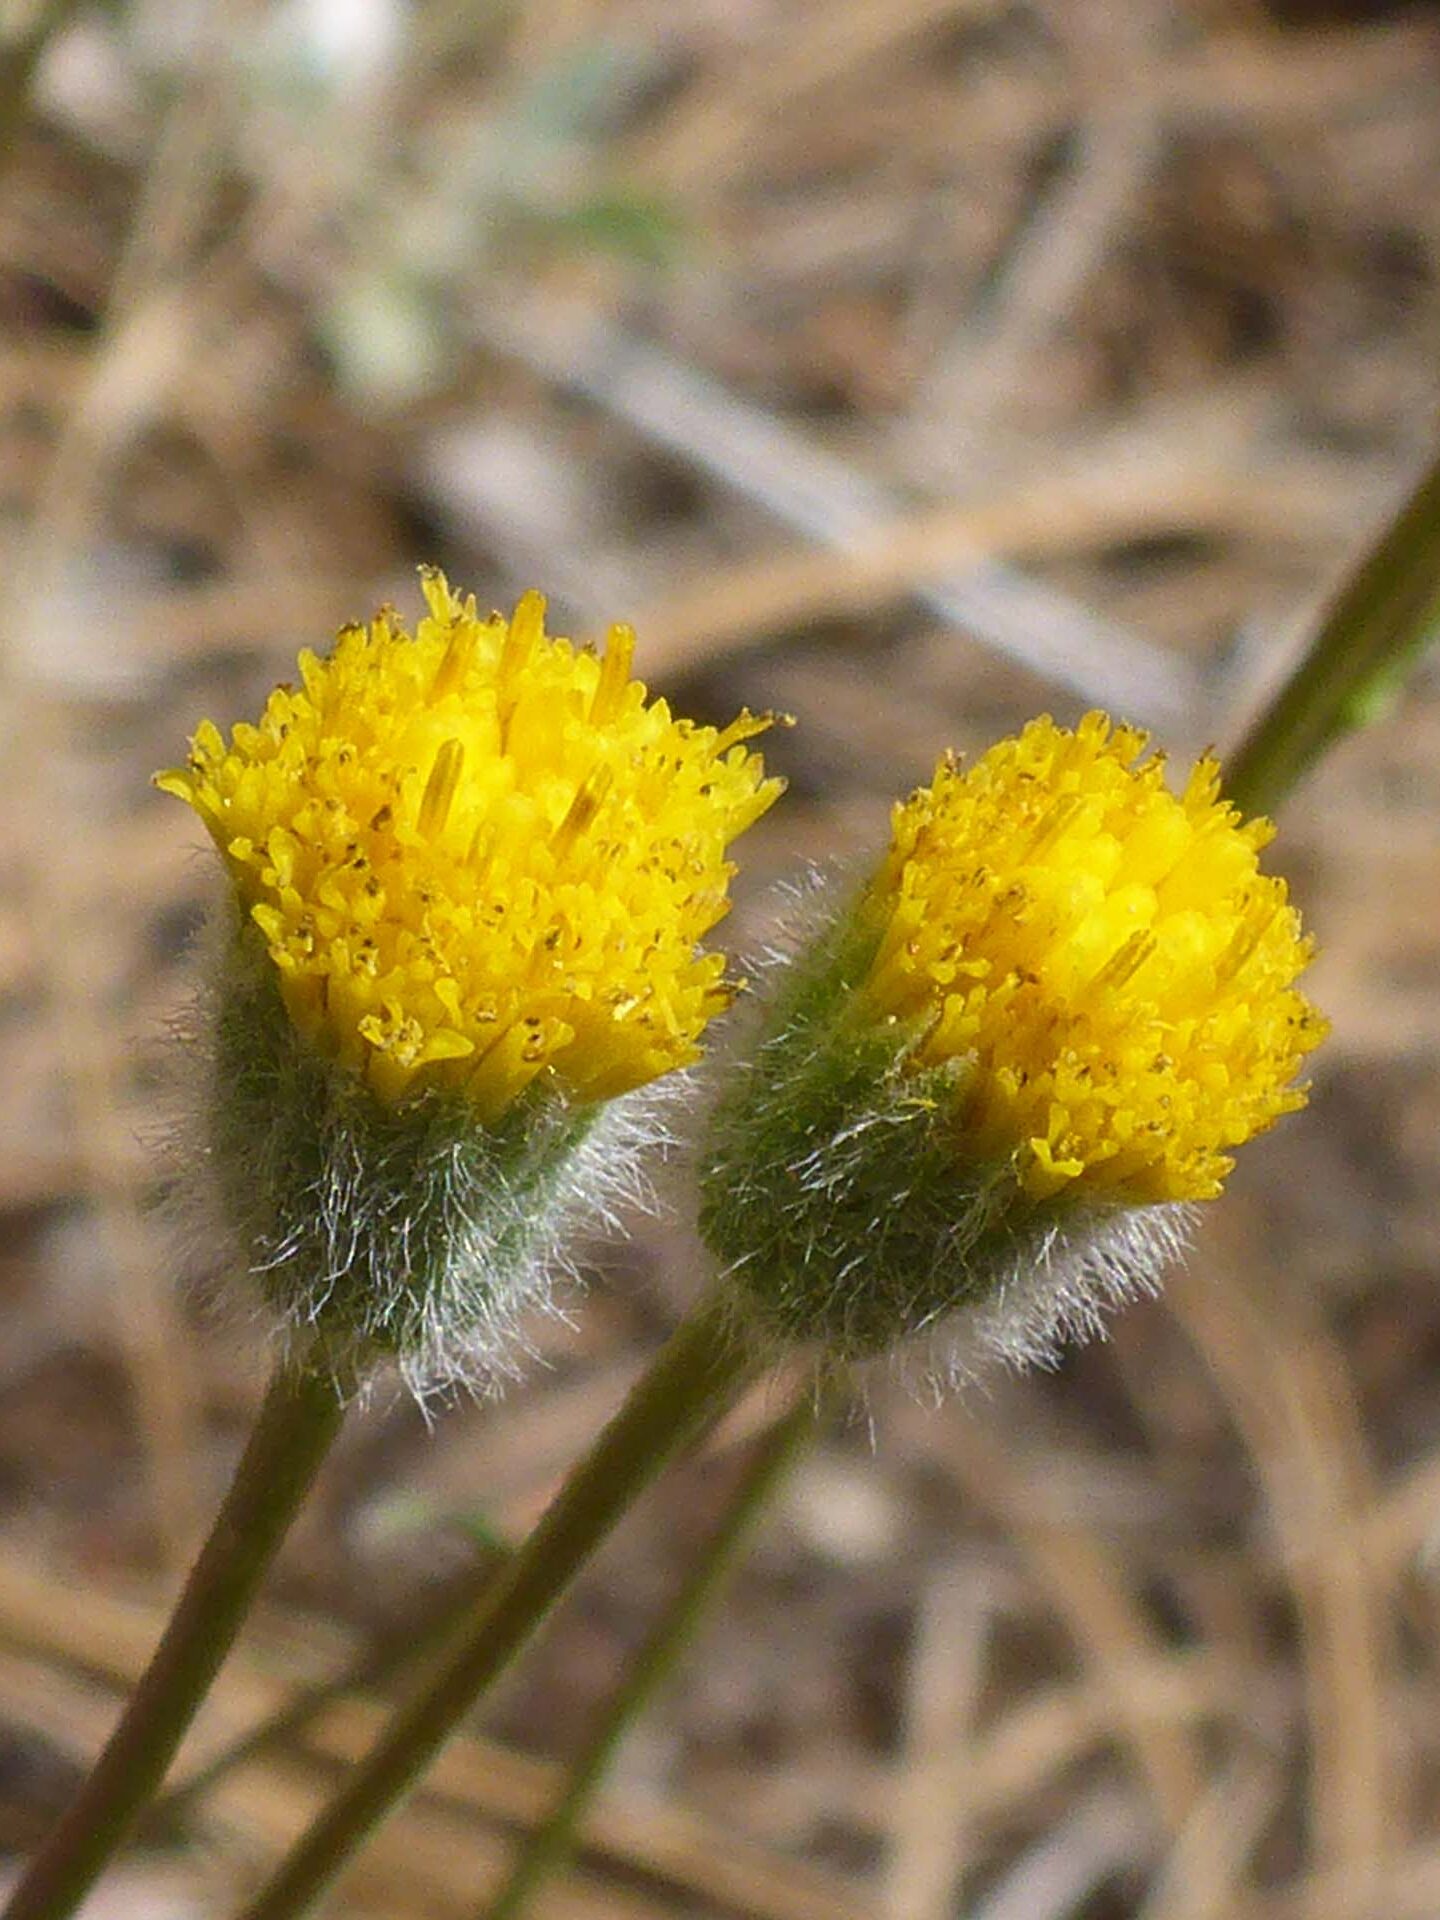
[910, 365]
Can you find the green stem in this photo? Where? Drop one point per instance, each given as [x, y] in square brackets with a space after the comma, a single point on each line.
[550, 1845]
[694, 1378]
[377, 1665]
[297, 1424]
[1385, 615]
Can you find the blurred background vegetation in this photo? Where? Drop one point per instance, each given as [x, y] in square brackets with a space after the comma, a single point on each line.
[910, 366]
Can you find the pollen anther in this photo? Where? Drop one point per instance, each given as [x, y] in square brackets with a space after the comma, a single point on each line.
[439, 794]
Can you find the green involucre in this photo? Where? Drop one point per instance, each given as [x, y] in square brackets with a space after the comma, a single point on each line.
[832, 1184]
[413, 1230]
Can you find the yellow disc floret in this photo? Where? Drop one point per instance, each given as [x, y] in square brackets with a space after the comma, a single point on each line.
[479, 852]
[1101, 963]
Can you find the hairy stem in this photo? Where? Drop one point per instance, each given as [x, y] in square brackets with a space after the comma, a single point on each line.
[550, 1845]
[694, 1378]
[298, 1423]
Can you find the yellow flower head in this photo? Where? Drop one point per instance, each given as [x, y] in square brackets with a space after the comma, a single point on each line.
[1101, 964]
[479, 852]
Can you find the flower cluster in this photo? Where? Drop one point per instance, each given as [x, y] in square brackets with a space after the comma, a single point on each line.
[999, 1077]
[479, 853]
[1105, 960]
[473, 867]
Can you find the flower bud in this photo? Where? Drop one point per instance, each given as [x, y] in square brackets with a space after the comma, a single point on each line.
[997, 1082]
[470, 871]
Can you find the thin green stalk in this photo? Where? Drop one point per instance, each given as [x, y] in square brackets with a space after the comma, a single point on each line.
[375, 1667]
[551, 1843]
[694, 1378]
[297, 1425]
[1384, 617]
